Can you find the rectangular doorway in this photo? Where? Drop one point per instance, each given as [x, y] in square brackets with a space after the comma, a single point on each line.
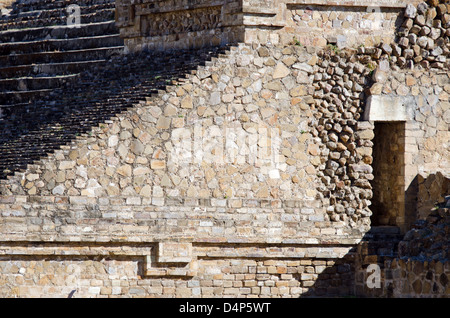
[388, 201]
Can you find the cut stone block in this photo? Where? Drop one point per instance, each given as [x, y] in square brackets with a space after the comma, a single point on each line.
[174, 252]
[385, 108]
[172, 259]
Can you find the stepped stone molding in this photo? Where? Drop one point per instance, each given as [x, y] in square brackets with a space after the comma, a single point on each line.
[385, 108]
[147, 169]
[133, 270]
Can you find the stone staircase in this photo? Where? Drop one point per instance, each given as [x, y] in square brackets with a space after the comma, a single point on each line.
[71, 111]
[40, 13]
[56, 82]
[39, 52]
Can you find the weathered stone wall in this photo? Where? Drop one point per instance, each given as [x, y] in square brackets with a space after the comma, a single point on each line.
[319, 22]
[242, 138]
[151, 24]
[416, 93]
[421, 267]
[428, 238]
[431, 190]
[412, 142]
[163, 25]
[423, 148]
[407, 278]
[414, 278]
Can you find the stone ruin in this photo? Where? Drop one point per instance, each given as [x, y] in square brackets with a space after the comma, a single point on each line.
[224, 148]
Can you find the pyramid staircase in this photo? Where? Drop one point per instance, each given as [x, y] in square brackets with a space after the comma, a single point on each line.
[57, 82]
[27, 14]
[39, 52]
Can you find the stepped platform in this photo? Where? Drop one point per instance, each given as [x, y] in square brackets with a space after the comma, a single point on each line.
[13, 37]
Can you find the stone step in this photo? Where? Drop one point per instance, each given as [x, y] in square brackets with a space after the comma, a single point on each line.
[5, 110]
[92, 111]
[47, 69]
[39, 57]
[31, 22]
[148, 86]
[55, 45]
[54, 11]
[58, 32]
[20, 84]
[25, 96]
[104, 106]
[60, 56]
[32, 5]
[384, 230]
[19, 111]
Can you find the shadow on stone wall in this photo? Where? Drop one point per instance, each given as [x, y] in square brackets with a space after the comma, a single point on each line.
[348, 277]
[415, 264]
[37, 129]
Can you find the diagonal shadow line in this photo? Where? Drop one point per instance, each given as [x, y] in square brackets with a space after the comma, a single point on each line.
[35, 130]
